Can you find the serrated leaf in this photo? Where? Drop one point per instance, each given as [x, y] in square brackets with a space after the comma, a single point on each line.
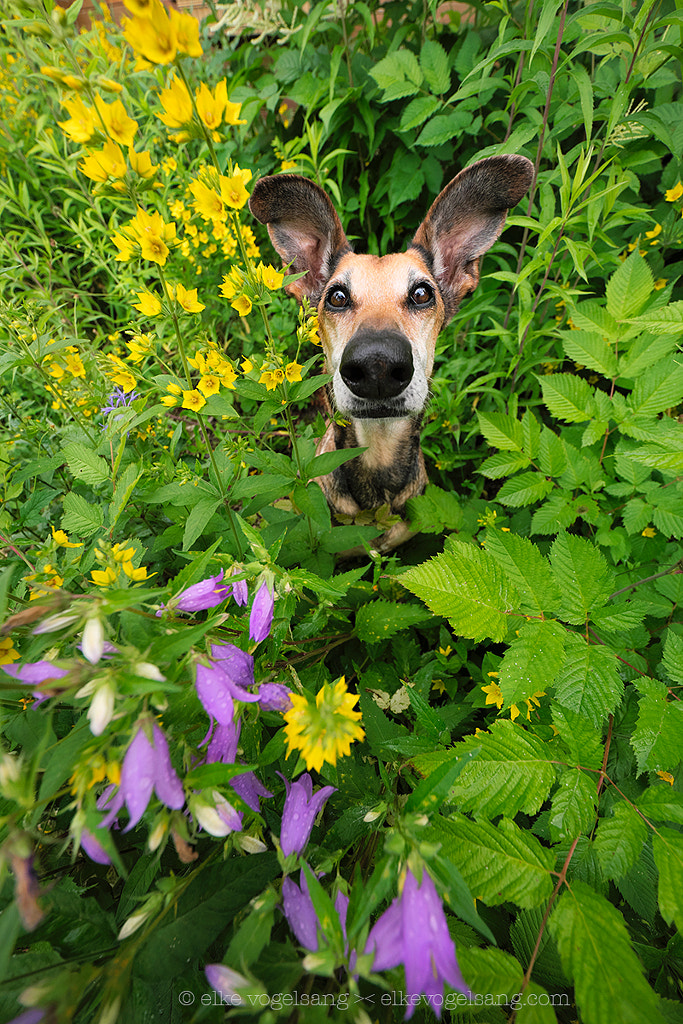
[583, 575]
[552, 455]
[85, 465]
[528, 569]
[125, 486]
[619, 841]
[501, 430]
[592, 316]
[467, 586]
[434, 64]
[662, 803]
[668, 522]
[490, 970]
[498, 863]
[580, 736]
[532, 661]
[667, 320]
[503, 464]
[659, 388]
[513, 771]
[80, 517]
[555, 514]
[567, 397]
[667, 847]
[636, 514]
[596, 953]
[435, 511]
[629, 287]
[672, 658]
[591, 350]
[572, 808]
[658, 736]
[444, 128]
[399, 66]
[417, 112]
[589, 682]
[524, 489]
[381, 619]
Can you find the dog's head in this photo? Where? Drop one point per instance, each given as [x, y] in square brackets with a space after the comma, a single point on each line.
[380, 316]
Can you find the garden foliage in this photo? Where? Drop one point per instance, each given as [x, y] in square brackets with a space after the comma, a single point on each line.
[492, 714]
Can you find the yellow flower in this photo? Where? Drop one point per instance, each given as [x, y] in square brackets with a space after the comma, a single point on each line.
[649, 531]
[186, 28]
[187, 299]
[232, 113]
[227, 375]
[657, 230]
[660, 283]
[270, 277]
[105, 163]
[153, 247]
[268, 378]
[493, 694]
[293, 372]
[8, 652]
[242, 304]
[209, 385]
[149, 304]
[667, 777]
[177, 104]
[62, 539]
[74, 363]
[672, 194]
[81, 125]
[126, 247]
[140, 7]
[168, 165]
[173, 398]
[288, 165]
[139, 346]
[154, 36]
[193, 400]
[233, 191]
[233, 283]
[119, 126]
[324, 730]
[119, 373]
[136, 574]
[142, 163]
[103, 577]
[247, 365]
[207, 202]
[210, 105]
[152, 233]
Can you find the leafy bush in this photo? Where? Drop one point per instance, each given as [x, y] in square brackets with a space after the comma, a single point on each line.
[494, 710]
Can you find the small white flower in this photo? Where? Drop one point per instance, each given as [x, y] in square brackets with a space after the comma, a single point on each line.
[54, 622]
[250, 844]
[101, 709]
[92, 643]
[132, 924]
[149, 671]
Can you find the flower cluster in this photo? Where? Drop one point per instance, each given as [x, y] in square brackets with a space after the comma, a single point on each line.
[117, 559]
[324, 729]
[147, 235]
[494, 695]
[244, 289]
[159, 35]
[213, 109]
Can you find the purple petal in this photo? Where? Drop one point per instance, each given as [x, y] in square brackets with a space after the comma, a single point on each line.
[240, 591]
[214, 693]
[274, 697]
[35, 672]
[341, 905]
[206, 594]
[386, 938]
[137, 777]
[300, 811]
[110, 800]
[223, 745]
[94, 849]
[238, 666]
[261, 617]
[167, 785]
[300, 913]
[250, 789]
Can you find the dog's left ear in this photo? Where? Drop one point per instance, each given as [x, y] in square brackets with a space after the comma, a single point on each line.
[466, 218]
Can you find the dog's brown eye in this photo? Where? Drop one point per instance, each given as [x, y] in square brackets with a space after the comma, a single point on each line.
[338, 298]
[421, 294]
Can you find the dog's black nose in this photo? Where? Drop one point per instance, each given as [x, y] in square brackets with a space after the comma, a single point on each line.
[377, 364]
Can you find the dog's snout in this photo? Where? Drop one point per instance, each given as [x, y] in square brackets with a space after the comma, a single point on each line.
[377, 364]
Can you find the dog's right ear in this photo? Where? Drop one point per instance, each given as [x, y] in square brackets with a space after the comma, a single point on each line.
[303, 226]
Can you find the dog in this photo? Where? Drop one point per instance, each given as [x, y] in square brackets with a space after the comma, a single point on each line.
[380, 316]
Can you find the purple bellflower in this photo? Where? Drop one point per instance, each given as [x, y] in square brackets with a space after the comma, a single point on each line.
[146, 767]
[206, 594]
[240, 591]
[94, 849]
[413, 931]
[300, 811]
[223, 748]
[224, 681]
[274, 697]
[34, 673]
[300, 912]
[261, 617]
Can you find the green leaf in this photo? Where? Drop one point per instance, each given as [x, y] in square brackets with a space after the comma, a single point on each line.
[326, 462]
[672, 658]
[528, 569]
[417, 112]
[552, 454]
[572, 809]
[569, 398]
[659, 388]
[490, 970]
[444, 128]
[198, 519]
[592, 316]
[532, 661]
[80, 517]
[589, 683]
[125, 486]
[619, 841]
[503, 464]
[591, 350]
[499, 863]
[597, 955]
[501, 431]
[434, 64]
[86, 466]
[667, 846]
[661, 802]
[430, 793]
[583, 576]
[435, 511]
[467, 586]
[658, 736]
[629, 287]
[513, 771]
[524, 489]
[580, 736]
[381, 619]
[667, 320]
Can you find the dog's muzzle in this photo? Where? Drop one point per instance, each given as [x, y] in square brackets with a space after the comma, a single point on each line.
[377, 365]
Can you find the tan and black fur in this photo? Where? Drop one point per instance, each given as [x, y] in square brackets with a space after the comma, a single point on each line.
[380, 317]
